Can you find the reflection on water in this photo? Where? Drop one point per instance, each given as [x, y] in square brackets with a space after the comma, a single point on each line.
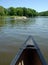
[13, 32]
[15, 22]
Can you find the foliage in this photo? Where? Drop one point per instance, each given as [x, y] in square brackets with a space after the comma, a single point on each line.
[45, 13]
[2, 10]
[21, 11]
[11, 11]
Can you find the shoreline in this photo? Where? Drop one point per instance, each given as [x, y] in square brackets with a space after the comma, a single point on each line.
[20, 17]
[16, 17]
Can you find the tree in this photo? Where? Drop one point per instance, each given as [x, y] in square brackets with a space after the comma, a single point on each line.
[19, 11]
[2, 11]
[11, 11]
[24, 11]
[5, 11]
[29, 12]
[45, 13]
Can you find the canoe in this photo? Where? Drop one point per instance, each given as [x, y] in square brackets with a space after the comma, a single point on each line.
[29, 54]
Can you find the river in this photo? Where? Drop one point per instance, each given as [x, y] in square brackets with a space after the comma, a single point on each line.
[14, 32]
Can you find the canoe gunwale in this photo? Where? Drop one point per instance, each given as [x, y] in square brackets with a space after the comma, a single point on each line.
[24, 46]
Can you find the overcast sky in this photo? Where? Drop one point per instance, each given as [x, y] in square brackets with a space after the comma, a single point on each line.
[38, 5]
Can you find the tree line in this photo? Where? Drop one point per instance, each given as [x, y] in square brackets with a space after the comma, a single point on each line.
[20, 11]
[44, 13]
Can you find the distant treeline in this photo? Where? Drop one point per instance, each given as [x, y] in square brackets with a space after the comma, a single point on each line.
[20, 11]
[44, 13]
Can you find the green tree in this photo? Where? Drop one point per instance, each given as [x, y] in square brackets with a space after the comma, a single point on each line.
[11, 11]
[2, 11]
[5, 11]
[19, 11]
[24, 11]
[45, 13]
[29, 12]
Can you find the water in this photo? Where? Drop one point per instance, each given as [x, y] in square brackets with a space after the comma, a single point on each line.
[14, 32]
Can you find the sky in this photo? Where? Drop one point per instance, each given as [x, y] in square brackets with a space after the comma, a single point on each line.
[38, 5]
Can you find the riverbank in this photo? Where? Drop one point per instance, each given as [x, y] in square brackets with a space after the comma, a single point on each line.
[15, 17]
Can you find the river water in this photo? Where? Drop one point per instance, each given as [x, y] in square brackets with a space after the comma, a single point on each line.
[14, 32]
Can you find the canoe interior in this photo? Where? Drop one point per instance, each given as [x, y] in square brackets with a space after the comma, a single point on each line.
[29, 56]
